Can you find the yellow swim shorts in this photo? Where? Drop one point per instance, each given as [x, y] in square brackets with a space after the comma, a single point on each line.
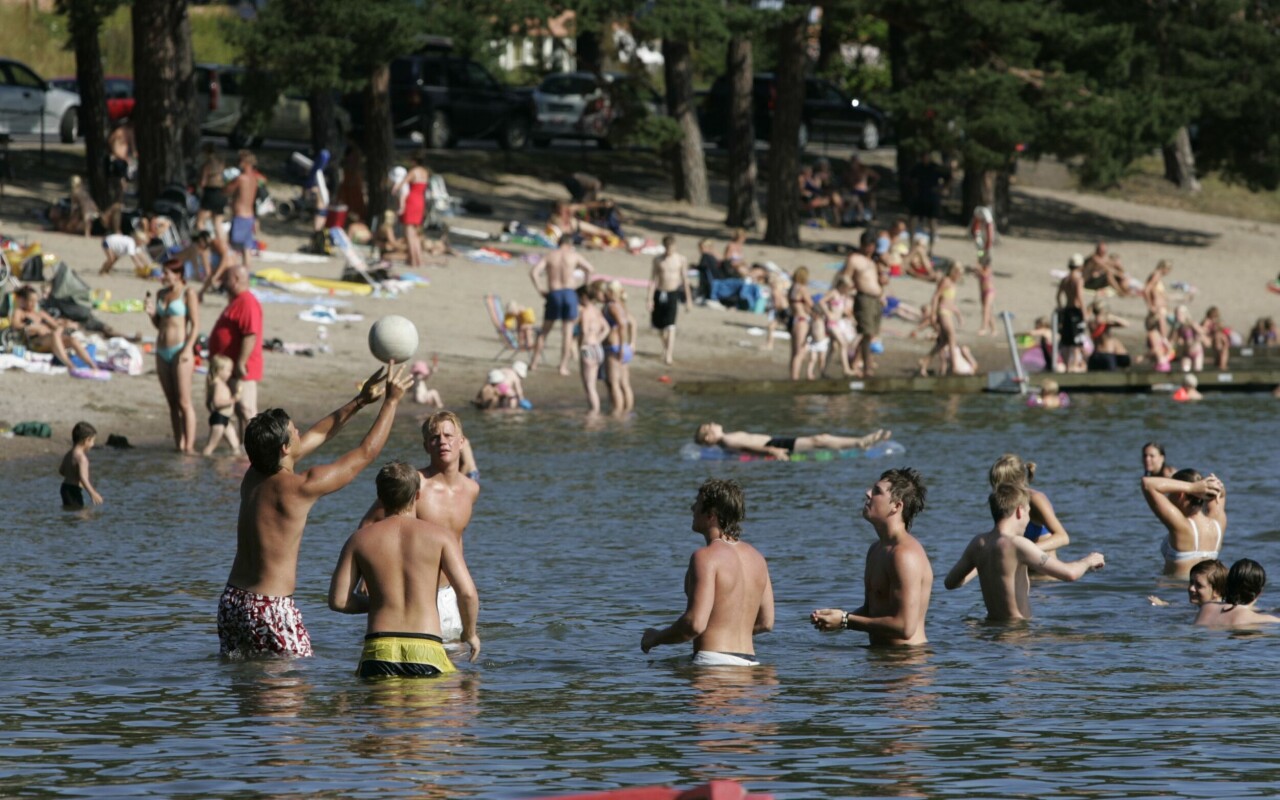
[403, 655]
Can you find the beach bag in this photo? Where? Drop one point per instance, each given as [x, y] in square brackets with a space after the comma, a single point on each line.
[124, 356]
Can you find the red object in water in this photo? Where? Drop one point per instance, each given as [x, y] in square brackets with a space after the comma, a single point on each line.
[716, 790]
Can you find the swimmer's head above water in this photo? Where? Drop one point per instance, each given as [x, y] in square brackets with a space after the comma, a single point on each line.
[708, 433]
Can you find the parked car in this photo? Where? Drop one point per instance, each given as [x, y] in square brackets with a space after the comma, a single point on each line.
[119, 91]
[30, 104]
[829, 115]
[583, 105]
[221, 99]
[446, 98]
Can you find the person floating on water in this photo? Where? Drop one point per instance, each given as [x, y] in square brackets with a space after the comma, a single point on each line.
[898, 579]
[447, 498]
[1001, 558]
[781, 447]
[75, 469]
[256, 613]
[399, 559]
[730, 597]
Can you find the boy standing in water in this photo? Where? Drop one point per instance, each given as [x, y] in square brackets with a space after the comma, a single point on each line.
[75, 468]
[1001, 556]
[898, 579]
[399, 559]
[730, 598]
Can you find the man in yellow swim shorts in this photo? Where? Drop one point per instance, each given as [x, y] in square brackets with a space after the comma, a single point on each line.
[400, 559]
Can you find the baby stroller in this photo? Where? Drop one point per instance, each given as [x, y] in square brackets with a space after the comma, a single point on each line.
[178, 206]
[301, 171]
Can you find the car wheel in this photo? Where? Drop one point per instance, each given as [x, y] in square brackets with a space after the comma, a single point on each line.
[438, 134]
[69, 127]
[541, 141]
[515, 136]
[870, 138]
[802, 139]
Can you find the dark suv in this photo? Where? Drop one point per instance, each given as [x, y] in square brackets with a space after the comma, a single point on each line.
[829, 114]
[446, 98]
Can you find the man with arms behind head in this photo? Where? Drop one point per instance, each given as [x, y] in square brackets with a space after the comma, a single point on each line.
[898, 579]
[446, 499]
[1001, 556]
[256, 613]
[398, 558]
[730, 598]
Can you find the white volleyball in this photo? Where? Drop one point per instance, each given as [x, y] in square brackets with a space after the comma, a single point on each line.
[393, 338]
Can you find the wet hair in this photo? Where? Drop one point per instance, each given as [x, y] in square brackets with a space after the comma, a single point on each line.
[1010, 468]
[1007, 498]
[1189, 475]
[397, 484]
[668, 241]
[1159, 449]
[1215, 574]
[82, 431]
[868, 238]
[703, 434]
[433, 423]
[1049, 386]
[264, 436]
[906, 487]
[1244, 582]
[724, 499]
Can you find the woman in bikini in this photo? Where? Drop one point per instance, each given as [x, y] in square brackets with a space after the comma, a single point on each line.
[1153, 294]
[1043, 527]
[800, 302]
[413, 206]
[946, 316]
[175, 312]
[1189, 339]
[619, 347]
[1194, 511]
[564, 221]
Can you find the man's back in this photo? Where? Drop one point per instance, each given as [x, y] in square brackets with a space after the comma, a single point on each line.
[1002, 575]
[741, 577]
[399, 559]
[560, 264]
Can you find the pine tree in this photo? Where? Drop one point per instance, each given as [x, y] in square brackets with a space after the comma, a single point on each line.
[84, 24]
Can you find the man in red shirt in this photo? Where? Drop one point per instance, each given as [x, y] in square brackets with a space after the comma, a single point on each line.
[238, 335]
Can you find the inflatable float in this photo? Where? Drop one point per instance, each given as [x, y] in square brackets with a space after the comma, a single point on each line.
[279, 277]
[695, 452]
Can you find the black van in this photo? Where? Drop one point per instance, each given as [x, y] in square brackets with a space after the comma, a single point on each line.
[829, 114]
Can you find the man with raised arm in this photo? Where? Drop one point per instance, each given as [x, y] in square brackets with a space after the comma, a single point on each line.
[398, 560]
[561, 299]
[447, 499]
[1001, 556]
[730, 598]
[898, 578]
[256, 613]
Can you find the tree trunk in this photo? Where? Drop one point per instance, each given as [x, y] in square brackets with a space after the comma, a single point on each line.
[1180, 161]
[588, 52]
[85, 25]
[378, 145]
[784, 146]
[186, 89]
[158, 126]
[899, 77]
[691, 166]
[744, 209]
[324, 122]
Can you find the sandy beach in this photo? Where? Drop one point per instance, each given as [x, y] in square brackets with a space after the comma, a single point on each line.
[1229, 261]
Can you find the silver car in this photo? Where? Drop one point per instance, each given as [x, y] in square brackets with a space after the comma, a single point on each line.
[581, 105]
[30, 104]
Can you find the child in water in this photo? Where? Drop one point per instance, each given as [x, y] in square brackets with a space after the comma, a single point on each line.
[75, 469]
[221, 402]
[421, 394]
[1207, 582]
[1243, 587]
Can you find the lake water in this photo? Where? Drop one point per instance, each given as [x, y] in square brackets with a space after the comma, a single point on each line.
[580, 539]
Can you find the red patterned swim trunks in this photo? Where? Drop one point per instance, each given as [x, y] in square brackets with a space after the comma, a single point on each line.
[252, 624]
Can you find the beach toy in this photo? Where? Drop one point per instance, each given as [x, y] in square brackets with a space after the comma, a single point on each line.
[695, 452]
[393, 338]
[877, 346]
[526, 405]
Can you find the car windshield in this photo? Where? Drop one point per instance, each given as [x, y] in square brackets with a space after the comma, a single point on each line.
[568, 84]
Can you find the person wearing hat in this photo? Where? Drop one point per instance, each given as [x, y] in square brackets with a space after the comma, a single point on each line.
[497, 392]
[421, 394]
[1071, 327]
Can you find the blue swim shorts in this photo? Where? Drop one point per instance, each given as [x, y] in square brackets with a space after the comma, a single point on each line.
[241, 232]
[561, 304]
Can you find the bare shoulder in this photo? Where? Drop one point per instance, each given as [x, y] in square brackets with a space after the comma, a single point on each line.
[909, 556]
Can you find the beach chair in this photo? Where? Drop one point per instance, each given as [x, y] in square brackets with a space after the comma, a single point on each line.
[352, 260]
[510, 341]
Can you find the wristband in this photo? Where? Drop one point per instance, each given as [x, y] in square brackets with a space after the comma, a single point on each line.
[844, 622]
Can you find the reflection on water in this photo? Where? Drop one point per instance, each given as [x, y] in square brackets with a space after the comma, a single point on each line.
[580, 540]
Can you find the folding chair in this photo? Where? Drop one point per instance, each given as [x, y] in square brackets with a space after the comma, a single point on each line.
[510, 341]
[350, 256]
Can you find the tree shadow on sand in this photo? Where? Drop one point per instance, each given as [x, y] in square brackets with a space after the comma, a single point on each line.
[1038, 217]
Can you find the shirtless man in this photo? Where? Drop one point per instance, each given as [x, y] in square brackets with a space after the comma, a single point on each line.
[1001, 557]
[1103, 270]
[1071, 327]
[711, 434]
[446, 499]
[561, 301]
[668, 284]
[898, 578]
[244, 198]
[730, 598]
[398, 560]
[862, 271]
[45, 333]
[256, 613]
